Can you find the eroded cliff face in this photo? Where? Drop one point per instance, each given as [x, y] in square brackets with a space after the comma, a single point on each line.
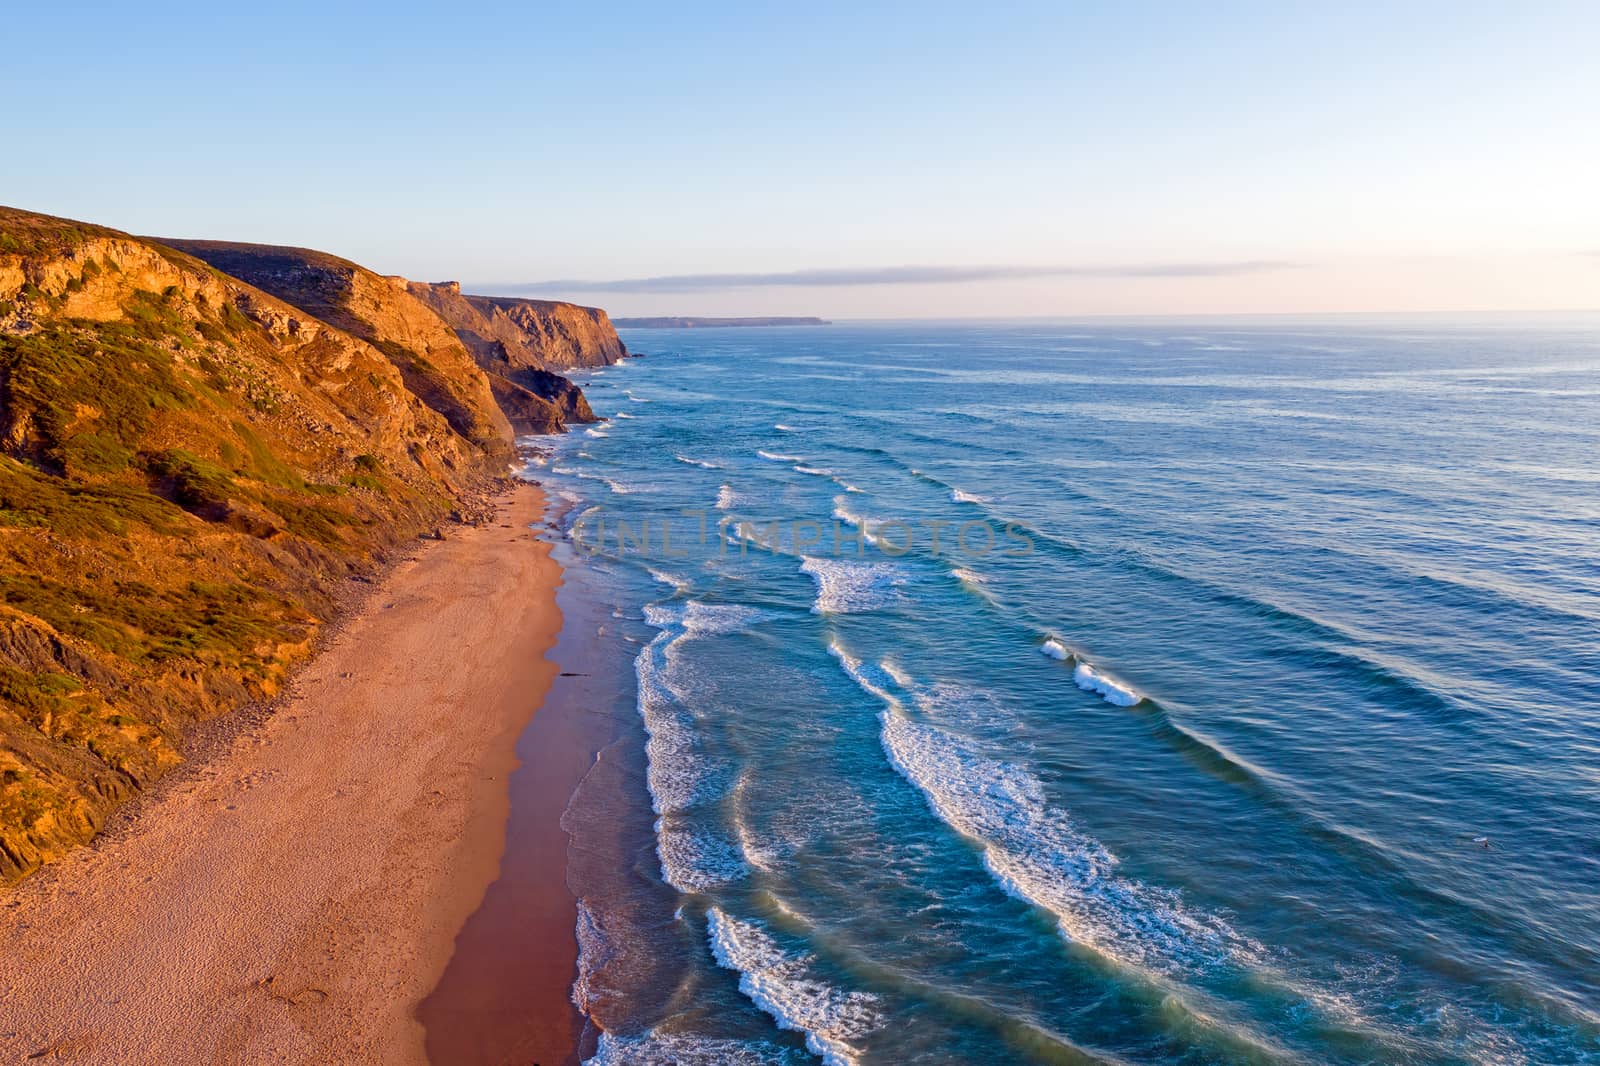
[545, 334]
[522, 344]
[190, 471]
[434, 362]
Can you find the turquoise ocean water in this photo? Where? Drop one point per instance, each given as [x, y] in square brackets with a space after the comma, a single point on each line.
[1246, 710]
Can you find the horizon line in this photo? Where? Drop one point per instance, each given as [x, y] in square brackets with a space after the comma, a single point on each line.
[1073, 316]
[853, 277]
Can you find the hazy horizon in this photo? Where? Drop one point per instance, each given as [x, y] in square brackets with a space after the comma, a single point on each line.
[904, 162]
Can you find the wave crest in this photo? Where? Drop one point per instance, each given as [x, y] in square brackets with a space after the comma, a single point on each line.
[786, 987]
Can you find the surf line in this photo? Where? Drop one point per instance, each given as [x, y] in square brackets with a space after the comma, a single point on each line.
[599, 532]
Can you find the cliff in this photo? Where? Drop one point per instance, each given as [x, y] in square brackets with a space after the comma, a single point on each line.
[547, 334]
[191, 468]
[521, 343]
[379, 310]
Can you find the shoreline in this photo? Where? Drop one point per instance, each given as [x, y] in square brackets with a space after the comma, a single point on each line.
[298, 893]
[507, 995]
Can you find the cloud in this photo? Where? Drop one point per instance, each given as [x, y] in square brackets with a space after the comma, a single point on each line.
[901, 275]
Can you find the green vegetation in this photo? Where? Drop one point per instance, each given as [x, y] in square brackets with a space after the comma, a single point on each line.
[235, 320]
[368, 469]
[195, 484]
[226, 624]
[181, 492]
[264, 465]
[30, 497]
[86, 402]
[36, 694]
[24, 233]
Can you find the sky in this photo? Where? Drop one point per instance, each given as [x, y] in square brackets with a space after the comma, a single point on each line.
[849, 160]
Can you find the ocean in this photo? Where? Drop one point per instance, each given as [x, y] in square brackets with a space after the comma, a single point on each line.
[1211, 691]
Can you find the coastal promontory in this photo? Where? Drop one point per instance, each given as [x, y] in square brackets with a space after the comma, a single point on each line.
[204, 448]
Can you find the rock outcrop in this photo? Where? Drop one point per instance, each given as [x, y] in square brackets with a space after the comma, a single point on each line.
[191, 469]
[546, 334]
[522, 343]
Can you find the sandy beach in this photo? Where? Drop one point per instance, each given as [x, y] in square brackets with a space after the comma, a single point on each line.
[295, 898]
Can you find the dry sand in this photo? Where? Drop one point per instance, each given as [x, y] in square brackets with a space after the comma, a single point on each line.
[295, 898]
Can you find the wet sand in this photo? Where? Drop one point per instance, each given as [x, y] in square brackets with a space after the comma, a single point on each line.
[297, 897]
[506, 997]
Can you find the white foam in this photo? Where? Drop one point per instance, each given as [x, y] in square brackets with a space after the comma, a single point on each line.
[630, 394]
[870, 527]
[672, 581]
[677, 1049]
[701, 463]
[594, 951]
[899, 676]
[967, 577]
[695, 861]
[679, 773]
[817, 470]
[618, 487]
[1036, 853]
[1038, 856]
[715, 619]
[1110, 689]
[622, 414]
[851, 518]
[785, 985]
[779, 457]
[592, 432]
[783, 428]
[726, 498]
[851, 587]
[525, 472]
[958, 496]
[1055, 650]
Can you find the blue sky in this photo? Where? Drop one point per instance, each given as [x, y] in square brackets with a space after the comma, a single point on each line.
[1025, 158]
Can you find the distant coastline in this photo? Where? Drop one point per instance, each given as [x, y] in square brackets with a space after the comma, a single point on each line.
[682, 322]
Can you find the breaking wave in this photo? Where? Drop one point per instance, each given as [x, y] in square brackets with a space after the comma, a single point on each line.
[1037, 854]
[679, 773]
[1111, 690]
[674, 1049]
[851, 587]
[833, 1021]
[1090, 678]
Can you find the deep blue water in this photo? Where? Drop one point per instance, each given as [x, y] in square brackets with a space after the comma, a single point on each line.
[1267, 730]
